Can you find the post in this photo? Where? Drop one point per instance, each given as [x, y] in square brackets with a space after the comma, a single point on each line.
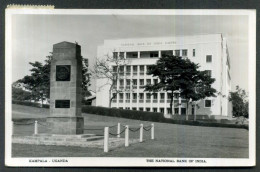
[36, 127]
[141, 132]
[126, 136]
[106, 135]
[152, 131]
[118, 130]
[12, 127]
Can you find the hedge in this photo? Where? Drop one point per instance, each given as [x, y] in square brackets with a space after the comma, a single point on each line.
[33, 104]
[152, 116]
[143, 116]
[122, 113]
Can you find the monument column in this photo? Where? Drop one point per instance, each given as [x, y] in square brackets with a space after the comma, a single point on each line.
[65, 90]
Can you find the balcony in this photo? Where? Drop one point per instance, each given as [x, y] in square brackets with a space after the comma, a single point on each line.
[168, 101]
[114, 101]
[162, 101]
[128, 73]
[141, 101]
[127, 101]
[134, 101]
[148, 101]
[120, 101]
[127, 87]
[141, 72]
[134, 73]
[155, 101]
[121, 87]
[134, 86]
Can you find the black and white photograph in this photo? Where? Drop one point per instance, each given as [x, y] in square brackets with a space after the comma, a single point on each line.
[133, 87]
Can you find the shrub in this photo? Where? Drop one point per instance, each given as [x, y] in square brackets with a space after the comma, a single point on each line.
[33, 104]
[130, 114]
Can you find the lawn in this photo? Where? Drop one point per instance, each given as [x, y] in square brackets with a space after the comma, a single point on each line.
[171, 140]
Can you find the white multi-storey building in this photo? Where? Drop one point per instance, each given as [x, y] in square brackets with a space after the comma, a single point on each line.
[210, 51]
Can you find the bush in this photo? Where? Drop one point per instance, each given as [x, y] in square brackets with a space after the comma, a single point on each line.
[121, 113]
[33, 104]
[153, 117]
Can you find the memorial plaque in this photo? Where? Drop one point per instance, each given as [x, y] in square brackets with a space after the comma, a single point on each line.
[63, 73]
[62, 103]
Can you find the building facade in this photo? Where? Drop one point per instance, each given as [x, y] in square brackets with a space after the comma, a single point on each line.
[209, 51]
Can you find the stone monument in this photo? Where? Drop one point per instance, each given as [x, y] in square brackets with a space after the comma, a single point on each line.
[65, 90]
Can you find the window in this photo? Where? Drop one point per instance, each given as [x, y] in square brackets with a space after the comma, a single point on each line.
[128, 82]
[183, 111]
[114, 55]
[162, 95]
[148, 96]
[133, 108]
[155, 81]
[135, 83]
[177, 53]
[134, 70]
[121, 55]
[128, 70]
[149, 68]
[208, 72]
[134, 96]
[148, 109]
[141, 82]
[155, 96]
[207, 103]
[169, 111]
[141, 109]
[141, 70]
[169, 95]
[148, 82]
[127, 95]
[121, 68]
[131, 55]
[209, 58]
[193, 53]
[166, 53]
[127, 108]
[141, 96]
[154, 109]
[154, 54]
[176, 110]
[114, 68]
[162, 110]
[121, 96]
[185, 53]
[121, 81]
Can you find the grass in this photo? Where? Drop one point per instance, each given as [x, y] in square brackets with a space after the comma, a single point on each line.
[171, 140]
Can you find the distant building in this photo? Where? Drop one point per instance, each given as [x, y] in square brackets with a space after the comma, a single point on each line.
[210, 51]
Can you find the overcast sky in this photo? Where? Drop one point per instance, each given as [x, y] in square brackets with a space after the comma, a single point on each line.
[34, 35]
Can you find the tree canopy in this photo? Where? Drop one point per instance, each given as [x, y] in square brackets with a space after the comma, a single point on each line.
[38, 83]
[239, 102]
[179, 76]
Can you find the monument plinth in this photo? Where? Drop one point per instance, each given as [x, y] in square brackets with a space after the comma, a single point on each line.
[65, 90]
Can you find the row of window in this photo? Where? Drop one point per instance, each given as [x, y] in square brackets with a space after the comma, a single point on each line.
[141, 83]
[126, 70]
[169, 111]
[207, 103]
[152, 54]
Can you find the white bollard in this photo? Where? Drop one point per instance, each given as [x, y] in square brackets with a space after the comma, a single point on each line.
[118, 130]
[106, 137]
[152, 131]
[36, 127]
[126, 136]
[141, 132]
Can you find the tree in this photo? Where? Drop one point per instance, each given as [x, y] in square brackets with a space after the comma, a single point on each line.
[239, 102]
[111, 69]
[19, 94]
[181, 77]
[38, 83]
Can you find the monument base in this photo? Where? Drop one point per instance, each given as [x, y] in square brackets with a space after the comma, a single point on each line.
[66, 125]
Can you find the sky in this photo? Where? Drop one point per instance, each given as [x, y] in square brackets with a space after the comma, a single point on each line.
[34, 35]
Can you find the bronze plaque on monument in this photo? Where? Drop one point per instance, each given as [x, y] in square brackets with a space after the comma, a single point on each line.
[63, 73]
